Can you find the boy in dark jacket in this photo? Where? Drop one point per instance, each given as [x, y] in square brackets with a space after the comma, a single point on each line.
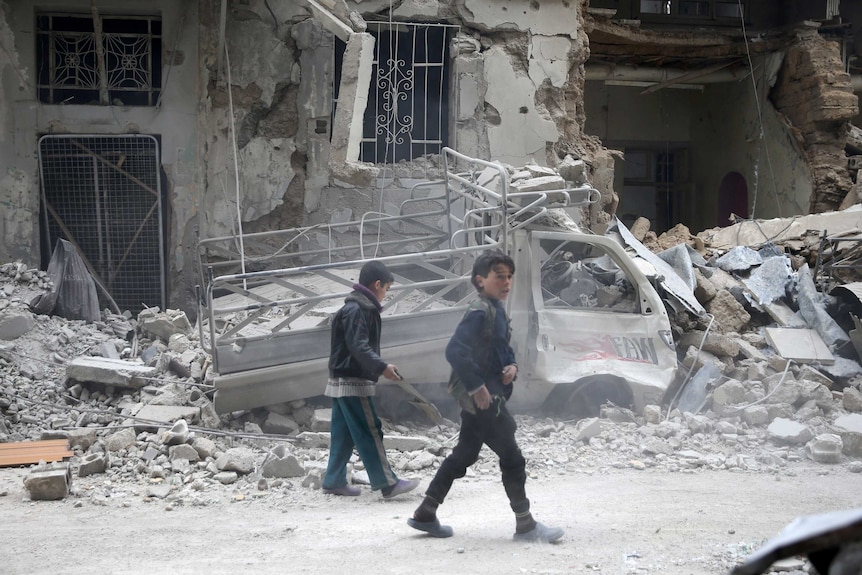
[486, 370]
[354, 367]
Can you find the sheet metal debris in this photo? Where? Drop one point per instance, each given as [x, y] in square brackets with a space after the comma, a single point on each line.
[669, 279]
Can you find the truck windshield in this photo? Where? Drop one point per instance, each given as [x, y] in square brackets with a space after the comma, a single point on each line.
[582, 275]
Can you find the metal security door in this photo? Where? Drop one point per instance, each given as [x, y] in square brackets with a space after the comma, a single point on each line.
[103, 194]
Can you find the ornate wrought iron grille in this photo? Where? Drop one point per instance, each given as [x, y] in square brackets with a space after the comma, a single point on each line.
[113, 60]
[103, 194]
[407, 112]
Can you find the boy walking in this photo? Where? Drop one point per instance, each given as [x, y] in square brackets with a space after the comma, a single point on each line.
[354, 367]
[484, 362]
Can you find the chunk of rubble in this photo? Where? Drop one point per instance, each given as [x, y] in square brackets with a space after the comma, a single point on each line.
[282, 464]
[849, 428]
[239, 459]
[91, 464]
[177, 434]
[49, 482]
[164, 325]
[786, 431]
[825, 448]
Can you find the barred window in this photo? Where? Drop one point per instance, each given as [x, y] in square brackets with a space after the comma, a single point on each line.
[408, 100]
[112, 60]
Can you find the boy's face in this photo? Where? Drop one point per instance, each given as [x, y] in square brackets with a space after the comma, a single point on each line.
[498, 282]
[380, 289]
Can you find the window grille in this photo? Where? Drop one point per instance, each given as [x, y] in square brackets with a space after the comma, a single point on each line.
[408, 101]
[103, 194]
[114, 60]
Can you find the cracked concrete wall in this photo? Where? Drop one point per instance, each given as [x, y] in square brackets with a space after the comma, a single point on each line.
[518, 83]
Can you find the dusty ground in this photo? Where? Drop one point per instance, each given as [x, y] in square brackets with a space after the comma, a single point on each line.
[623, 521]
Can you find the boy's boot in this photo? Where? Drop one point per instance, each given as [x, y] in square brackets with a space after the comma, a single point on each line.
[528, 529]
[425, 519]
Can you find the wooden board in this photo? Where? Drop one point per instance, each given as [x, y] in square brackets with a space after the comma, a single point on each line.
[28, 452]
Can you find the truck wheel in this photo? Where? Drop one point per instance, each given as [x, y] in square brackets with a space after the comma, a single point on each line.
[585, 397]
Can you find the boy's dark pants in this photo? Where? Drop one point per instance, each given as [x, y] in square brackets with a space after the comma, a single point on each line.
[494, 427]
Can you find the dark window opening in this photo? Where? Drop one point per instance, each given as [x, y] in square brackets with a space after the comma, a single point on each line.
[688, 10]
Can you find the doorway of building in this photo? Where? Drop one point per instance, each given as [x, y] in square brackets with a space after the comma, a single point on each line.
[653, 187]
[732, 199]
[104, 195]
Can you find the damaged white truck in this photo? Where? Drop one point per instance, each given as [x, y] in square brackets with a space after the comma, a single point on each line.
[587, 324]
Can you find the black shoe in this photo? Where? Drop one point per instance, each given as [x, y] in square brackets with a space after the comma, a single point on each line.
[432, 528]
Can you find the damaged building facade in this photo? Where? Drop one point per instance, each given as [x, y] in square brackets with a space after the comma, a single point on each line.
[135, 129]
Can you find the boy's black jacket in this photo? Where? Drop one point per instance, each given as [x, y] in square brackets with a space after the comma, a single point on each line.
[477, 361]
[356, 340]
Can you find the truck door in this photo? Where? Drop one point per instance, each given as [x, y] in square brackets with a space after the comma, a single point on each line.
[599, 323]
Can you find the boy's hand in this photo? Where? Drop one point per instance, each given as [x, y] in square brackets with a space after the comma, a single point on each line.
[391, 373]
[482, 398]
[510, 372]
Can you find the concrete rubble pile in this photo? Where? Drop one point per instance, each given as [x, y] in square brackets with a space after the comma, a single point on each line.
[132, 395]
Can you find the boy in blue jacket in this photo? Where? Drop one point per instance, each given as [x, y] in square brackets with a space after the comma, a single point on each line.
[486, 368]
[354, 368]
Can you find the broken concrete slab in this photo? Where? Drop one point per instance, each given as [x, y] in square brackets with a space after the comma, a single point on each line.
[788, 431]
[800, 345]
[119, 373]
[165, 414]
[780, 230]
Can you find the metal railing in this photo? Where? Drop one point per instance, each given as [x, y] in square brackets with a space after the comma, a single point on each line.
[289, 282]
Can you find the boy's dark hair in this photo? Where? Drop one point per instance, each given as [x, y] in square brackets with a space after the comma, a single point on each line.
[486, 262]
[373, 271]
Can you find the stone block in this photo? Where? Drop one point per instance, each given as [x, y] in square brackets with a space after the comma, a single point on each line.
[786, 431]
[50, 482]
[91, 464]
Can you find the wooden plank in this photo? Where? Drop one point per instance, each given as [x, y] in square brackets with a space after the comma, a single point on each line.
[28, 452]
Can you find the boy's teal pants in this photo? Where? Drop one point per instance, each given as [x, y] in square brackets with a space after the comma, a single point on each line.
[355, 424]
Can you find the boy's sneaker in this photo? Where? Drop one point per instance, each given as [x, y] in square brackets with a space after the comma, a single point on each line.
[541, 533]
[347, 490]
[403, 486]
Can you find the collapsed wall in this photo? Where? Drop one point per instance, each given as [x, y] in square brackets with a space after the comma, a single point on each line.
[817, 98]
